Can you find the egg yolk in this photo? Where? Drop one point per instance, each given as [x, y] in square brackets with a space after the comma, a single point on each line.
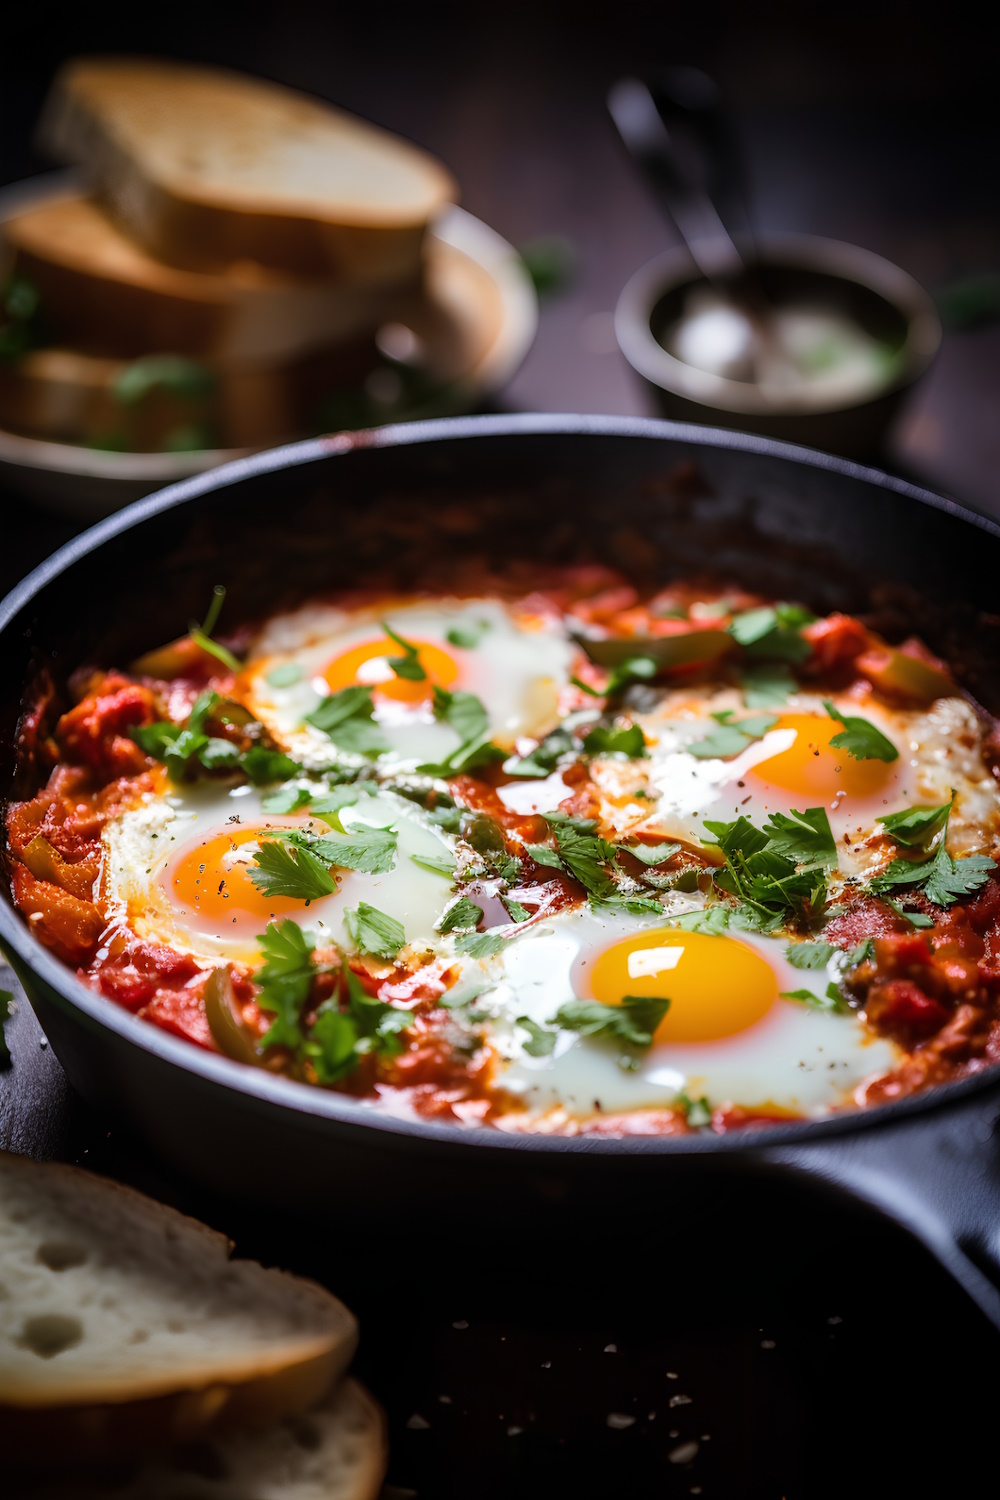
[717, 986]
[211, 882]
[368, 665]
[815, 769]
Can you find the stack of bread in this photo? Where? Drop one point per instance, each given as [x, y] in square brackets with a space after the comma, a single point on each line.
[138, 1361]
[226, 270]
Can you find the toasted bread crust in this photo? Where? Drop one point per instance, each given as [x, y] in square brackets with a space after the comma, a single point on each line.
[119, 119]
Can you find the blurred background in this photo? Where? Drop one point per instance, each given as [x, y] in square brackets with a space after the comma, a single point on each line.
[869, 123]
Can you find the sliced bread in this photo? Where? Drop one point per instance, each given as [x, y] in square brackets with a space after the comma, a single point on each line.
[336, 1451]
[102, 293]
[205, 167]
[124, 1324]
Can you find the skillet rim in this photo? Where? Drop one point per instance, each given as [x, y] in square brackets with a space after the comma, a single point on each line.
[317, 1104]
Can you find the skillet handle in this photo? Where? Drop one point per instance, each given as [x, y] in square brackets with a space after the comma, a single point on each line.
[936, 1173]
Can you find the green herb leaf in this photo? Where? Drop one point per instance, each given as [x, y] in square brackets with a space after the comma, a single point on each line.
[543, 855]
[805, 838]
[284, 676]
[286, 799]
[944, 879]
[183, 377]
[633, 669]
[711, 919]
[467, 637]
[373, 931]
[286, 870]
[285, 981]
[861, 954]
[832, 1000]
[634, 1021]
[809, 955]
[540, 1040]
[463, 913]
[767, 685]
[651, 854]
[515, 910]
[542, 761]
[616, 741]
[347, 718]
[408, 665]
[443, 865]
[731, 738]
[481, 944]
[582, 854]
[463, 711]
[915, 918]
[915, 826]
[328, 804]
[698, 1111]
[372, 851]
[265, 766]
[636, 906]
[773, 634]
[860, 738]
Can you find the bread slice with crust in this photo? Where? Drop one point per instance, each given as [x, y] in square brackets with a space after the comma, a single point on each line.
[205, 167]
[103, 294]
[126, 1325]
[337, 1451]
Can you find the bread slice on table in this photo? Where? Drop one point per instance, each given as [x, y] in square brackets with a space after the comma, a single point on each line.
[205, 167]
[167, 403]
[336, 1451]
[102, 293]
[125, 1325]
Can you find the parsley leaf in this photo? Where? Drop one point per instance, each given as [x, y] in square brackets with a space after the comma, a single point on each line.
[202, 634]
[372, 851]
[772, 634]
[515, 910]
[807, 838]
[914, 827]
[266, 766]
[285, 980]
[943, 879]
[186, 749]
[711, 919]
[406, 666]
[462, 913]
[634, 1021]
[651, 854]
[860, 738]
[832, 1000]
[374, 931]
[730, 738]
[542, 760]
[481, 944]
[809, 955]
[915, 918]
[583, 854]
[636, 906]
[463, 711]
[767, 881]
[767, 685]
[467, 637]
[540, 1040]
[339, 1039]
[632, 669]
[286, 870]
[616, 741]
[285, 675]
[543, 855]
[698, 1111]
[347, 718]
[441, 865]
[286, 799]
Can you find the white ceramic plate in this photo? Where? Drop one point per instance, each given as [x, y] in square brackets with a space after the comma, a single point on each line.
[479, 319]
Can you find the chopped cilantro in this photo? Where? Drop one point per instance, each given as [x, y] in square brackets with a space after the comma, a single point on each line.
[731, 738]
[543, 855]
[860, 738]
[339, 1039]
[515, 910]
[441, 865]
[347, 718]
[374, 931]
[651, 854]
[809, 955]
[773, 634]
[463, 711]
[915, 918]
[832, 1000]
[187, 749]
[467, 637]
[615, 741]
[632, 669]
[202, 634]
[408, 665]
[285, 675]
[265, 766]
[915, 826]
[462, 913]
[861, 954]
[481, 944]
[285, 981]
[767, 685]
[804, 837]
[540, 1040]
[943, 879]
[583, 854]
[372, 851]
[698, 1111]
[636, 906]
[327, 805]
[288, 798]
[711, 919]
[634, 1021]
[285, 869]
[541, 761]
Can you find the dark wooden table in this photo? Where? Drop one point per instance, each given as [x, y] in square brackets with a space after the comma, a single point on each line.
[788, 1367]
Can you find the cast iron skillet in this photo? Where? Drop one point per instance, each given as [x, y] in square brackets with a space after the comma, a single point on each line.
[652, 496]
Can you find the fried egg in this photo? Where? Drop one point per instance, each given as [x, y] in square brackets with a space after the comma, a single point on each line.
[727, 1035]
[177, 868]
[515, 664]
